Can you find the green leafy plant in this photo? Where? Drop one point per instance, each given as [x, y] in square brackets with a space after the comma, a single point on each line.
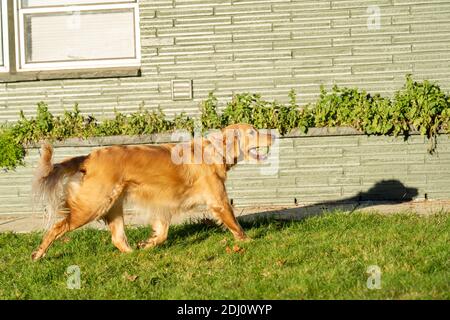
[210, 118]
[418, 106]
[12, 153]
[424, 104]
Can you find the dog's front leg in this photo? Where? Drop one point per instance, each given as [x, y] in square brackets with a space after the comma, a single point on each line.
[217, 201]
[224, 213]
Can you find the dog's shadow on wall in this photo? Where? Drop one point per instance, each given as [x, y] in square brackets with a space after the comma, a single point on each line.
[383, 192]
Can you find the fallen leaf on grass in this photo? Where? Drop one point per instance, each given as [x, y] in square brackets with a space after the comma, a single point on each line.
[281, 262]
[130, 277]
[236, 249]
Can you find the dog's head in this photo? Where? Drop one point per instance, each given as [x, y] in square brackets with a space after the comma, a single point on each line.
[239, 142]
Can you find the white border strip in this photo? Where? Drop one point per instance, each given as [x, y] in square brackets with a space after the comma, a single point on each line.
[93, 2]
[5, 37]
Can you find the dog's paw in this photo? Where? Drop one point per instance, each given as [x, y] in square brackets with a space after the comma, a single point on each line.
[146, 244]
[126, 250]
[244, 239]
[141, 244]
[36, 255]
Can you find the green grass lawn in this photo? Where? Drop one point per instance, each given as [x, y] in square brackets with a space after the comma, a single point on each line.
[323, 257]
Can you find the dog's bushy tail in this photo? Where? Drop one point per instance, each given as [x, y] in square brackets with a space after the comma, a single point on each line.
[50, 180]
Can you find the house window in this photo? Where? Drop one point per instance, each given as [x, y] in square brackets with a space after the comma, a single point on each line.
[72, 34]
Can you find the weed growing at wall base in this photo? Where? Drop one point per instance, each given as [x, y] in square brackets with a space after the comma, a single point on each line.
[418, 106]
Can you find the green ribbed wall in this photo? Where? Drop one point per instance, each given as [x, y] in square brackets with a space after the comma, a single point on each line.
[265, 46]
[312, 169]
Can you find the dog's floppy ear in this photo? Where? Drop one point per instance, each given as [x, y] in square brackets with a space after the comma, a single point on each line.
[226, 144]
[214, 151]
[232, 144]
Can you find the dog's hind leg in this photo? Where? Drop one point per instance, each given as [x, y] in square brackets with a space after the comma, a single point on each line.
[114, 218]
[71, 222]
[91, 201]
[160, 232]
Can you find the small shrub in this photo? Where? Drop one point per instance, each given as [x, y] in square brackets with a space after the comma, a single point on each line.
[12, 153]
[210, 118]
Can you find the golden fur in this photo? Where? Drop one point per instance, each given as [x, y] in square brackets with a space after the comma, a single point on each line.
[95, 186]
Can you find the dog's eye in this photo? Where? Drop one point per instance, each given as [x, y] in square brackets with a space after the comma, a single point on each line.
[252, 132]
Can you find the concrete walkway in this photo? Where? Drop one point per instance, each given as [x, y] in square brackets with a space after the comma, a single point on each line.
[28, 223]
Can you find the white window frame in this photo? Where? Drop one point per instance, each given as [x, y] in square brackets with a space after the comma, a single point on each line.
[22, 65]
[5, 37]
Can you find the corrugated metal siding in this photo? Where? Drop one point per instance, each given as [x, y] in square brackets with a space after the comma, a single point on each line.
[265, 46]
[311, 170]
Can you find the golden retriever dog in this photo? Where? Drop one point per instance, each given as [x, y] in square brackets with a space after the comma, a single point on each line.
[164, 180]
